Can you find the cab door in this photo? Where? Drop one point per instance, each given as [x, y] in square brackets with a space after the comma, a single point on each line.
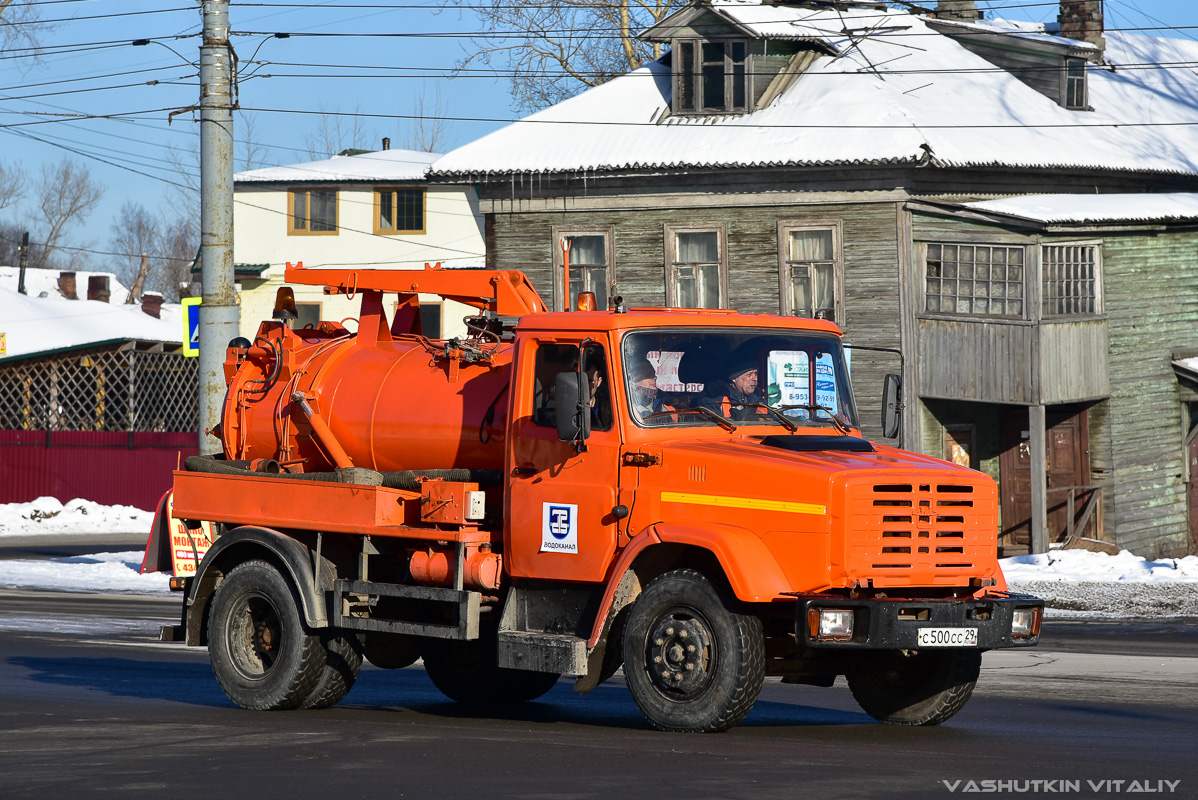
[560, 521]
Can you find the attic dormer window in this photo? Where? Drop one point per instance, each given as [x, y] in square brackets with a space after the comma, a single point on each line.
[1075, 84]
[711, 76]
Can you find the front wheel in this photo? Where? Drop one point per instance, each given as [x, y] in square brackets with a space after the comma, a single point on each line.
[262, 655]
[916, 687]
[691, 663]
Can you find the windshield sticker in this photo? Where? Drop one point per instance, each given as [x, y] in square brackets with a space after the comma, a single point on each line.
[789, 381]
[559, 528]
[825, 383]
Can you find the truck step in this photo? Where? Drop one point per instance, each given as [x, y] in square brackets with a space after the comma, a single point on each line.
[462, 608]
[543, 652]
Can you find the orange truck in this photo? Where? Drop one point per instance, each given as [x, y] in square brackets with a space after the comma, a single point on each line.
[682, 493]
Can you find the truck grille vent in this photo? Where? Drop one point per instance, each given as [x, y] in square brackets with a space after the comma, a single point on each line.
[928, 534]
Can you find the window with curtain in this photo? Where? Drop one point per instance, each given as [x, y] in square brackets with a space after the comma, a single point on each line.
[811, 271]
[590, 263]
[697, 268]
[313, 211]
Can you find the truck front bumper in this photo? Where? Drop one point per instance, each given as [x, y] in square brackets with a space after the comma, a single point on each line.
[896, 624]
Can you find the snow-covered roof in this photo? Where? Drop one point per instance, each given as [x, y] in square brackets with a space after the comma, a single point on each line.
[754, 18]
[1095, 208]
[903, 94]
[46, 280]
[33, 324]
[385, 165]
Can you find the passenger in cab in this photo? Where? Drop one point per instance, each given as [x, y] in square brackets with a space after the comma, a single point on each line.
[646, 400]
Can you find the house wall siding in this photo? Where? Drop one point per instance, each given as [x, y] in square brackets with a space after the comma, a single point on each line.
[870, 256]
[1151, 288]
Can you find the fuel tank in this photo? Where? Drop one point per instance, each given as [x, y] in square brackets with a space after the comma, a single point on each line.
[391, 404]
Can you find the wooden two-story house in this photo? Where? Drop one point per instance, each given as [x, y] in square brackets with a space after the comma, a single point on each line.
[823, 159]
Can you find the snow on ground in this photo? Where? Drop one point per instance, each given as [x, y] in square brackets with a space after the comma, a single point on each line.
[1073, 582]
[47, 515]
[115, 573]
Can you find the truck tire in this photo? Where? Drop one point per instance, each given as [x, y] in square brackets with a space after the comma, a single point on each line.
[343, 662]
[467, 673]
[261, 653]
[692, 663]
[390, 650]
[916, 687]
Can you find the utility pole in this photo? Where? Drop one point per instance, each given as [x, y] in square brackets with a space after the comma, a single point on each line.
[219, 313]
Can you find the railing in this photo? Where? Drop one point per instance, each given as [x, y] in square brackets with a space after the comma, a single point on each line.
[1074, 527]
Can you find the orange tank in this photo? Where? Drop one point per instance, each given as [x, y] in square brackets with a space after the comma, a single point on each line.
[389, 405]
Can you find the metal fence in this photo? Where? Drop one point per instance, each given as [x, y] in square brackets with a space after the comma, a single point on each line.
[119, 388]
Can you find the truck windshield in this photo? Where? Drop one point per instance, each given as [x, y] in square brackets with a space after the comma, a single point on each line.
[745, 378]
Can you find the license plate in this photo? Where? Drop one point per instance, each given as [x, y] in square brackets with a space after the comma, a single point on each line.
[948, 637]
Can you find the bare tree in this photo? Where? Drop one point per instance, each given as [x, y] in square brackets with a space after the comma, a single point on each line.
[136, 233]
[65, 197]
[557, 48]
[12, 185]
[254, 153]
[179, 248]
[426, 130]
[337, 132]
[21, 28]
[10, 247]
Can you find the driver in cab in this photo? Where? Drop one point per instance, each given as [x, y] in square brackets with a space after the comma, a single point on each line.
[739, 393]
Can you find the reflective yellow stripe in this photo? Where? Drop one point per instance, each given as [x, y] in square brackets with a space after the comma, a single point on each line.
[743, 502]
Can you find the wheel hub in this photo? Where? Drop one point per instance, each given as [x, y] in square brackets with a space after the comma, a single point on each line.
[680, 654]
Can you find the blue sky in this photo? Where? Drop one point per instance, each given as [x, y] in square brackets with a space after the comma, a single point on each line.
[91, 68]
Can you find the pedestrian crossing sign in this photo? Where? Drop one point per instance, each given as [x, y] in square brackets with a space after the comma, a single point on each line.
[191, 326]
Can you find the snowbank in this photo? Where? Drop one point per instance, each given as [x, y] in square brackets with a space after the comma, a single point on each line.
[1083, 566]
[46, 515]
[104, 572]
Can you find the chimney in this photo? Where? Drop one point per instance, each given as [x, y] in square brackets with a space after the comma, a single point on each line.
[66, 285]
[386, 143]
[97, 288]
[958, 10]
[1082, 20]
[151, 303]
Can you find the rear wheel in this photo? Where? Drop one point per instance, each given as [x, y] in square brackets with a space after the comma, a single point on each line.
[261, 653]
[467, 672]
[916, 687]
[343, 662]
[691, 663]
[390, 650]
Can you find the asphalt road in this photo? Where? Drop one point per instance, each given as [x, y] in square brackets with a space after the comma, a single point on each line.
[92, 706]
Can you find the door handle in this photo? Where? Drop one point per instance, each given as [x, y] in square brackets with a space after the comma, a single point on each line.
[523, 472]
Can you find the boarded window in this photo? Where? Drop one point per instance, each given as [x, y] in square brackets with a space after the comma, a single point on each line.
[985, 280]
[1071, 279]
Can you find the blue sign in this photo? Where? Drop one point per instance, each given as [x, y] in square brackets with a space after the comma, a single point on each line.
[191, 326]
[559, 521]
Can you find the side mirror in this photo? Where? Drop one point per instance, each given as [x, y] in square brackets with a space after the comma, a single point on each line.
[573, 404]
[892, 406]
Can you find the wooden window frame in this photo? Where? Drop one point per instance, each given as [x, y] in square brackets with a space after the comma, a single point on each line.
[1030, 280]
[785, 298]
[1084, 105]
[1099, 298]
[671, 238]
[377, 195]
[696, 71]
[608, 232]
[292, 230]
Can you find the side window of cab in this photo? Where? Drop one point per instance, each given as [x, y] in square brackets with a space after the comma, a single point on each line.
[552, 359]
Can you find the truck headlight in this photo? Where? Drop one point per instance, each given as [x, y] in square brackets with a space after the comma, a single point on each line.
[1025, 623]
[830, 624]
